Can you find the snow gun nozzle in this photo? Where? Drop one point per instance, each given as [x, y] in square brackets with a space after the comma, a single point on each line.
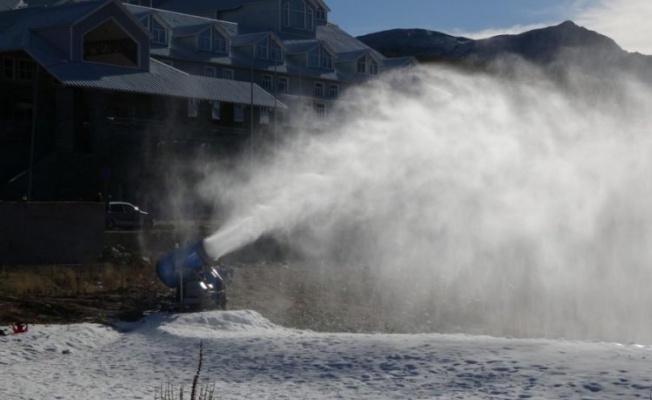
[184, 264]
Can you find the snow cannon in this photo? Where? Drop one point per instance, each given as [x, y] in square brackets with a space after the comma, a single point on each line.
[183, 265]
[198, 285]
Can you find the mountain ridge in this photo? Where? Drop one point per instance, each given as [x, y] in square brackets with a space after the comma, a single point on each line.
[565, 44]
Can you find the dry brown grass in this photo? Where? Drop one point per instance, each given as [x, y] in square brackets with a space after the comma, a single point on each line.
[292, 293]
[68, 280]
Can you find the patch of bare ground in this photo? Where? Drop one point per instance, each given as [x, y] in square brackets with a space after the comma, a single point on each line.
[123, 285]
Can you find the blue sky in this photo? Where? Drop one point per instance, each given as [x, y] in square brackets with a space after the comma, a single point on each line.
[625, 21]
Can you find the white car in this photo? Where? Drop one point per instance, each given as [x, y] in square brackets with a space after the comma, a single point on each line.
[120, 214]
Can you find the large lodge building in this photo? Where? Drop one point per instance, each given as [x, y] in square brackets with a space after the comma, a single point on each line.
[105, 97]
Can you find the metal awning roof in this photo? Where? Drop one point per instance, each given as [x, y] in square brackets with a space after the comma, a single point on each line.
[161, 79]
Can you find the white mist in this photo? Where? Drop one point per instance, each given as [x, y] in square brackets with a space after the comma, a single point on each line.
[509, 204]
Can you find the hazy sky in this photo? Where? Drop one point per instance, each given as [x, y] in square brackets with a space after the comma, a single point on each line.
[625, 21]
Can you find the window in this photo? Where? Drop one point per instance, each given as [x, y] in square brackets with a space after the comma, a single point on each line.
[227, 73]
[159, 34]
[320, 14]
[286, 14]
[320, 58]
[193, 108]
[215, 110]
[333, 91]
[298, 14]
[26, 70]
[264, 116]
[275, 52]
[204, 41]
[210, 71]
[373, 68]
[362, 65]
[268, 49]
[262, 49]
[320, 110]
[313, 58]
[211, 40]
[238, 113]
[326, 60]
[283, 85]
[266, 82]
[319, 89]
[310, 20]
[9, 68]
[117, 48]
[219, 43]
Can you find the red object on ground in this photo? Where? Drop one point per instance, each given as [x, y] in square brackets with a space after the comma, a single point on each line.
[20, 328]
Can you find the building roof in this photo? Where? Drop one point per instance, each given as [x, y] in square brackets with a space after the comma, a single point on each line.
[17, 25]
[16, 4]
[299, 46]
[398, 62]
[161, 80]
[19, 31]
[341, 42]
[205, 6]
[183, 24]
[209, 6]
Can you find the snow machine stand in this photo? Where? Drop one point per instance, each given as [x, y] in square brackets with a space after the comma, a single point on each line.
[192, 272]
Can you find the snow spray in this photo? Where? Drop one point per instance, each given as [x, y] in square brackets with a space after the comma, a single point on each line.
[505, 203]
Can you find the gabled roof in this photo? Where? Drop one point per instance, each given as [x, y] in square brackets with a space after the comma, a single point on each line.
[399, 62]
[183, 24]
[354, 56]
[249, 39]
[16, 25]
[341, 42]
[299, 46]
[19, 31]
[161, 79]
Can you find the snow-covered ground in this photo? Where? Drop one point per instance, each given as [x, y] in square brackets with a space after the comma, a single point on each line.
[247, 357]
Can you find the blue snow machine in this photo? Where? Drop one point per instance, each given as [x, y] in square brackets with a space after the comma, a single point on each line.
[200, 281]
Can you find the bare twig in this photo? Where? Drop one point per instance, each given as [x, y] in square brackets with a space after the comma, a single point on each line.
[195, 379]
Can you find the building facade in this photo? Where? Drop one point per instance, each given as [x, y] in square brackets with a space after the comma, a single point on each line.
[104, 96]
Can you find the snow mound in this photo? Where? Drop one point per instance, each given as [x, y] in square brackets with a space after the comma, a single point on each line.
[48, 341]
[232, 321]
[202, 324]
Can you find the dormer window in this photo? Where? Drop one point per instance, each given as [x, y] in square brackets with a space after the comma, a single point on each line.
[262, 49]
[211, 40]
[204, 41]
[373, 68]
[320, 58]
[219, 43]
[319, 89]
[275, 51]
[159, 33]
[108, 43]
[268, 49]
[367, 65]
[362, 65]
[320, 14]
[326, 60]
[310, 20]
[298, 15]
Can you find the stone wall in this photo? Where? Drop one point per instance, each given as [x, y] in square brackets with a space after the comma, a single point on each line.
[34, 233]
